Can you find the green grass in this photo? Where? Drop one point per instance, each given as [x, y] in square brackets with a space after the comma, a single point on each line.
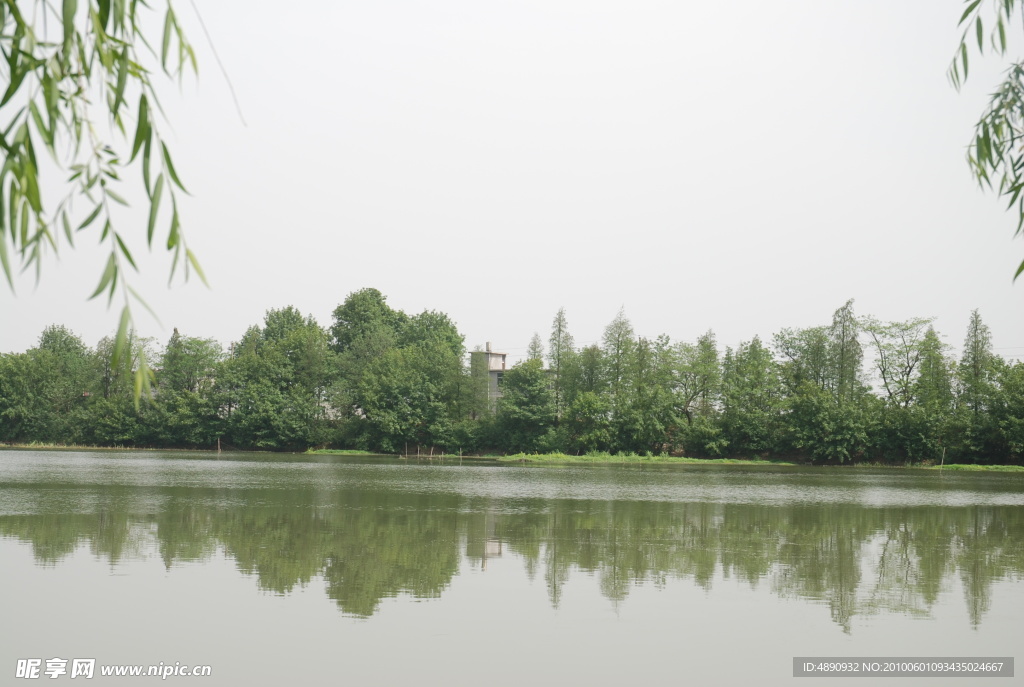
[957, 467]
[626, 459]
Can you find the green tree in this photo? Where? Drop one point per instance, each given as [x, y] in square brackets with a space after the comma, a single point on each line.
[976, 368]
[44, 391]
[805, 356]
[845, 354]
[933, 388]
[535, 351]
[433, 327]
[899, 348]
[698, 376]
[828, 431]
[587, 424]
[617, 346]
[188, 363]
[829, 358]
[1008, 410]
[409, 398]
[526, 412]
[365, 314]
[648, 423]
[271, 390]
[752, 396]
[184, 412]
[561, 348]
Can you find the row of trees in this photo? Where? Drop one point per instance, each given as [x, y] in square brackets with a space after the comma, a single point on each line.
[381, 380]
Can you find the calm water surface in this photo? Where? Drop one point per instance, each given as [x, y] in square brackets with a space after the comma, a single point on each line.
[302, 569]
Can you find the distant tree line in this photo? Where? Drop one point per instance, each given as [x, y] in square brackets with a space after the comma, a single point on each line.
[378, 379]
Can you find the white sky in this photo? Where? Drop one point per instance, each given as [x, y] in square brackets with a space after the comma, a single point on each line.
[741, 167]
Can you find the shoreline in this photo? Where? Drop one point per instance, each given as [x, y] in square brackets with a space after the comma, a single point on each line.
[541, 459]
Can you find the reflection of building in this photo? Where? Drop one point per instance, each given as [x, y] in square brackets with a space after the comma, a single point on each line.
[493, 365]
[483, 545]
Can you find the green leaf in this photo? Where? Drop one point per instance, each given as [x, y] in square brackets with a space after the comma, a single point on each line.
[1002, 35]
[978, 30]
[107, 278]
[136, 296]
[115, 197]
[142, 131]
[4, 261]
[91, 218]
[154, 208]
[124, 251]
[122, 80]
[104, 15]
[121, 338]
[970, 8]
[52, 97]
[32, 186]
[195, 264]
[1019, 270]
[67, 228]
[170, 168]
[17, 72]
[174, 264]
[963, 58]
[69, 26]
[41, 127]
[172, 236]
[168, 26]
[145, 164]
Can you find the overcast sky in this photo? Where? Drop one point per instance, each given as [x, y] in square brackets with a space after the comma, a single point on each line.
[741, 167]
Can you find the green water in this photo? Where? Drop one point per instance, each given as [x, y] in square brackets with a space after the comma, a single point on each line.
[304, 569]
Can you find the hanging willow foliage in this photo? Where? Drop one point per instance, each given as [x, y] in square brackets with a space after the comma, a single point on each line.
[72, 71]
[996, 152]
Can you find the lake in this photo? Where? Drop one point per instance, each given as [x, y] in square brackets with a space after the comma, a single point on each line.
[295, 569]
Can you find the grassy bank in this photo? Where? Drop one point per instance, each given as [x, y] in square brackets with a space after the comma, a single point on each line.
[955, 467]
[627, 459]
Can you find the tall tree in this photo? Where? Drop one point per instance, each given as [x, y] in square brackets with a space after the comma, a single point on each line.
[365, 314]
[535, 351]
[617, 348]
[976, 367]
[408, 398]
[561, 347]
[933, 388]
[751, 399]
[647, 424]
[805, 356]
[898, 347]
[698, 376]
[188, 363]
[846, 355]
[526, 414]
[430, 327]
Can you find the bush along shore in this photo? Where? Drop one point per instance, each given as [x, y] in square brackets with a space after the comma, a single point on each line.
[380, 381]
